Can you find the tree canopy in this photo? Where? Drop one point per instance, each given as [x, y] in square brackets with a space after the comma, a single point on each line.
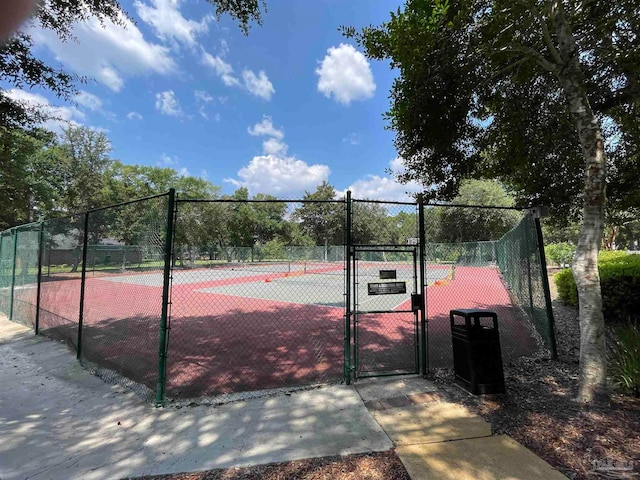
[478, 96]
[21, 68]
[542, 94]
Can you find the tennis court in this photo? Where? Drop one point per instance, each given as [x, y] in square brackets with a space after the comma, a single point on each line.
[186, 315]
[257, 326]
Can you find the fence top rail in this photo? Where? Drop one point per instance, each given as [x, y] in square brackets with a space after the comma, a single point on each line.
[232, 200]
[10, 230]
[464, 205]
[384, 202]
[106, 207]
[122, 204]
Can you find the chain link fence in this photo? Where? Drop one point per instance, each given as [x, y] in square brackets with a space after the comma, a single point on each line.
[60, 278]
[184, 298]
[122, 301]
[519, 259]
[491, 256]
[250, 311]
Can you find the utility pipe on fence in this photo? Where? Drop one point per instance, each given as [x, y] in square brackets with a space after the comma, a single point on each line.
[545, 288]
[83, 278]
[13, 272]
[529, 250]
[424, 358]
[166, 285]
[39, 290]
[347, 294]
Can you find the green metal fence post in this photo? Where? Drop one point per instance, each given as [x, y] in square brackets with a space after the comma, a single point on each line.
[166, 284]
[39, 290]
[529, 251]
[13, 272]
[547, 291]
[83, 278]
[347, 294]
[424, 358]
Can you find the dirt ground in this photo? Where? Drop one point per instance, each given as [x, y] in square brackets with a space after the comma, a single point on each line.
[538, 411]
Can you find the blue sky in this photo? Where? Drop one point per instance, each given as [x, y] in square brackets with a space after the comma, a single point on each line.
[278, 111]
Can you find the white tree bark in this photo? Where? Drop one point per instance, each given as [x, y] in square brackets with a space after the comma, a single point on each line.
[593, 371]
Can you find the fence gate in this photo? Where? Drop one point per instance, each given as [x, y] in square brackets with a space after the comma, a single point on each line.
[385, 305]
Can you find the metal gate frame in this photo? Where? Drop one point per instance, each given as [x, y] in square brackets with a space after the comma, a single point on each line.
[414, 310]
[418, 298]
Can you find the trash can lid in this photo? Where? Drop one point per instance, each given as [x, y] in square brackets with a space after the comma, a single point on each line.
[473, 312]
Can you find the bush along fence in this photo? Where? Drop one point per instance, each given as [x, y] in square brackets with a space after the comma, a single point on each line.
[179, 298]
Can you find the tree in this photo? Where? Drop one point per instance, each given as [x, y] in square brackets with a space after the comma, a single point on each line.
[83, 154]
[400, 228]
[369, 223]
[20, 68]
[27, 175]
[532, 83]
[322, 217]
[474, 224]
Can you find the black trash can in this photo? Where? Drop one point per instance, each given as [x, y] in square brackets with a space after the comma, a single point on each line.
[477, 359]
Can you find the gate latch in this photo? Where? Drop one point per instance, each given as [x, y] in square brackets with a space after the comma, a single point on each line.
[416, 301]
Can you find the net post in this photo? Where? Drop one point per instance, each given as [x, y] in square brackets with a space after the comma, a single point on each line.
[39, 289]
[424, 358]
[166, 284]
[83, 279]
[347, 294]
[13, 272]
[547, 291]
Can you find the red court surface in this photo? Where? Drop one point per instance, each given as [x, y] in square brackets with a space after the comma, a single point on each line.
[220, 343]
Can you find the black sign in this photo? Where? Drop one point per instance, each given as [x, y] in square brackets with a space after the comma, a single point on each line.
[387, 288]
[387, 275]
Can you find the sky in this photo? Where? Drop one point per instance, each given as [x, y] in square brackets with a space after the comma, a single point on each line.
[279, 111]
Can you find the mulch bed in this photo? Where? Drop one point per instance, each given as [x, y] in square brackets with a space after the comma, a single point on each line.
[582, 442]
[373, 466]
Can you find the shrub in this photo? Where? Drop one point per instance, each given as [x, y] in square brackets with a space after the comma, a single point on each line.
[273, 250]
[626, 361]
[619, 280]
[559, 253]
[567, 290]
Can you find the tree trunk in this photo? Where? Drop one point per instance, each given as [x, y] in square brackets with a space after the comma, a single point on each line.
[593, 366]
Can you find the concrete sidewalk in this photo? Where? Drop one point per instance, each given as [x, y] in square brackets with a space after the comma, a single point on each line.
[57, 421]
[436, 439]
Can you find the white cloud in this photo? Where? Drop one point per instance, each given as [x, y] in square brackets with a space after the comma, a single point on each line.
[60, 117]
[203, 96]
[345, 74]
[168, 160]
[107, 52]
[397, 165]
[89, 100]
[280, 176]
[168, 23]
[134, 116]
[273, 146]
[266, 128]
[183, 172]
[221, 68]
[259, 85]
[352, 138]
[167, 103]
[375, 187]
[274, 172]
